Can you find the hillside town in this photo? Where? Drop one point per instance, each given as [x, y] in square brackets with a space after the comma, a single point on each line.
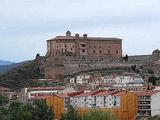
[90, 73]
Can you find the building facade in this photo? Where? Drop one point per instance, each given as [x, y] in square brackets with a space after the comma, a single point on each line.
[91, 47]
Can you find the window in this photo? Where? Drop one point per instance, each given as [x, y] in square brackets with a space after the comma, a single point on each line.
[100, 51]
[71, 49]
[65, 46]
[83, 45]
[83, 50]
[100, 46]
[116, 51]
[89, 46]
[94, 51]
[109, 52]
[62, 49]
[94, 46]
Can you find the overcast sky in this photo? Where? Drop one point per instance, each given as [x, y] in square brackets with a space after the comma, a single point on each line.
[26, 24]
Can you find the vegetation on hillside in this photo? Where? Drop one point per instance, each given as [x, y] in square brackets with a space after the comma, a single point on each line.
[21, 76]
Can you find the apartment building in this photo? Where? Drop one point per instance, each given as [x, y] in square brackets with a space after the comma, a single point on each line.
[148, 102]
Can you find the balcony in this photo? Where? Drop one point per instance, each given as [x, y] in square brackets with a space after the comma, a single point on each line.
[145, 99]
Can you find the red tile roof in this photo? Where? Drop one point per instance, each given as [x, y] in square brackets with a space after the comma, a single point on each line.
[47, 88]
[40, 97]
[104, 93]
[75, 93]
[62, 95]
[83, 95]
[119, 93]
[145, 93]
[4, 88]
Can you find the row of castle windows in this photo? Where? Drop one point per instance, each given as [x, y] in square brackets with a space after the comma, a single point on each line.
[83, 50]
[82, 45]
[65, 46]
[94, 46]
[109, 52]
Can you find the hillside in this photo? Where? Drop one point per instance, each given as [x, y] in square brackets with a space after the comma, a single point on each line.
[5, 68]
[2, 62]
[21, 75]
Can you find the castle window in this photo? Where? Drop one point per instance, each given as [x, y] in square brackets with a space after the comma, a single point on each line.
[99, 46]
[116, 51]
[94, 51]
[109, 51]
[100, 51]
[83, 45]
[89, 46]
[57, 46]
[94, 46]
[62, 49]
[71, 49]
[65, 46]
[83, 50]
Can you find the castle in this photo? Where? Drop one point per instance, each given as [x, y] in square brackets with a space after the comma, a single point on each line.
[78, 49]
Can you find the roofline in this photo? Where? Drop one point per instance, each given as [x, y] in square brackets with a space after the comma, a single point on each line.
[88, 38]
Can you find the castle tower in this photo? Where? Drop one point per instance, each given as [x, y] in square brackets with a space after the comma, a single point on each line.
[68, 33]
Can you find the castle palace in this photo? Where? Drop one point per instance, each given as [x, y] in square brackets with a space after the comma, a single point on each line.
[92, 47]
[69, 54]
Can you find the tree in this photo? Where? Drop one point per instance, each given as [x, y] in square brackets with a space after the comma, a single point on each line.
[3, 109]
[70, 115]
[3, 100]
[125, 58]
[19, 111]
[152, 80]
[41, 111]
[3, 113]
[98, 115]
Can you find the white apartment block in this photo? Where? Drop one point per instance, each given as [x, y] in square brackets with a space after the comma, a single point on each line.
[102, 99]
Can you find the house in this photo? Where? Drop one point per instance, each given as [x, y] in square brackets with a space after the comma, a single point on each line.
[42, 91]
[5, 91]
[80, 79]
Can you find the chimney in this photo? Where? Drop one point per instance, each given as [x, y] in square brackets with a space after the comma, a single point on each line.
[85, 36]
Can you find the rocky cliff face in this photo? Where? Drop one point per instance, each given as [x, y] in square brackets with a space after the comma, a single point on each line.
[156, 54]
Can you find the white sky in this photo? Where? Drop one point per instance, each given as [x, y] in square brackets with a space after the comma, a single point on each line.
[26, 24]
